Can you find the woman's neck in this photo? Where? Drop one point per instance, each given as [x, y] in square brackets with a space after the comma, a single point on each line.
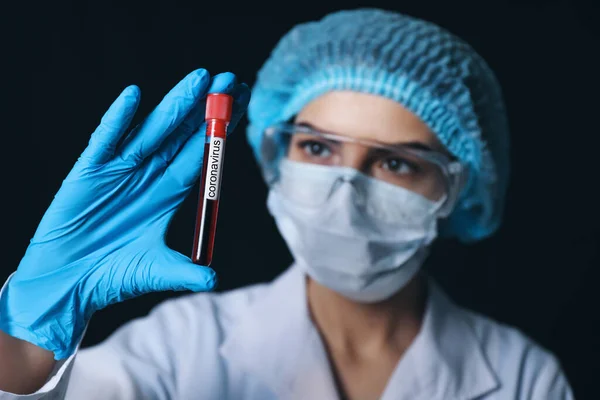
[360, 330]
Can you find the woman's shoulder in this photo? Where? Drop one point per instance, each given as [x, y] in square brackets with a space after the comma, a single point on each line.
[521, 364]
[517, 358]
[502, 338]
[497, 338]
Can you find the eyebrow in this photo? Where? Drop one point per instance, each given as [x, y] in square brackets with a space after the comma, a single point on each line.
[414, 144]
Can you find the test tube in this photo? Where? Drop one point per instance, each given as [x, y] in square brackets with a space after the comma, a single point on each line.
[218, 116]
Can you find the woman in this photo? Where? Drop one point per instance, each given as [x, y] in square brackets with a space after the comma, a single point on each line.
[375, 131]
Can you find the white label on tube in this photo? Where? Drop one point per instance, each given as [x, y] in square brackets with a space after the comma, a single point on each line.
[214, 168]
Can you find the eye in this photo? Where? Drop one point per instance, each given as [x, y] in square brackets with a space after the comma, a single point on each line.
[315, 149]
[399, 166]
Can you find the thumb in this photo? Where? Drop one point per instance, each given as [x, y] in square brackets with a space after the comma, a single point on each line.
[174, 271]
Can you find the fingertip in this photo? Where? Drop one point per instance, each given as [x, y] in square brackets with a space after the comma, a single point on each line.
[223, 83]
[192, 87]
[123, 107]
[132, 91]
[242, 94]
[199, 73]
[209, 280]
[212, 283]
[200, 79]
[130, 98]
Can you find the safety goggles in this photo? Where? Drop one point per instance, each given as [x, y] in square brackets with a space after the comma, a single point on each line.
[426, 172]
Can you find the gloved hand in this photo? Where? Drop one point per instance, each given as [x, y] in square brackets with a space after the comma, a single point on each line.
[102, 240]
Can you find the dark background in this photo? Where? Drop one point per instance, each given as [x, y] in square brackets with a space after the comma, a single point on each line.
[64, 64]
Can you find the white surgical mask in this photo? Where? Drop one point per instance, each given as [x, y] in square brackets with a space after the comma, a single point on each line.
[366, 241]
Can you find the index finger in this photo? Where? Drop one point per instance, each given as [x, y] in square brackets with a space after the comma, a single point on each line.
[167, 116]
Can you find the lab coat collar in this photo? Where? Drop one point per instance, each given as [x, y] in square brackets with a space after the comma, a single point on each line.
[277, 342]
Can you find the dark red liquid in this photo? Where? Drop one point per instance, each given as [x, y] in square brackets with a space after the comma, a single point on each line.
[206, 220]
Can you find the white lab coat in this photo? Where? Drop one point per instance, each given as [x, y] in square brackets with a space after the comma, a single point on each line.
[259, 343]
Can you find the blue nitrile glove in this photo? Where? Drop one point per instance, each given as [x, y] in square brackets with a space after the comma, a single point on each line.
[102, 240]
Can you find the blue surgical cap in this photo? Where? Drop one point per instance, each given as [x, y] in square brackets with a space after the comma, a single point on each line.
[428, 70]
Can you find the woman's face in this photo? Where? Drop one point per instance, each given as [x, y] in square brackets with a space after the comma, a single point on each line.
[375, 118]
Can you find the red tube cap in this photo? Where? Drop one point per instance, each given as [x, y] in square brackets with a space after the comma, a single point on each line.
[218, 106]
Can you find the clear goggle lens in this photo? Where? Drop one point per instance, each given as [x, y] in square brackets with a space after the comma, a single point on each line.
[427, 173]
